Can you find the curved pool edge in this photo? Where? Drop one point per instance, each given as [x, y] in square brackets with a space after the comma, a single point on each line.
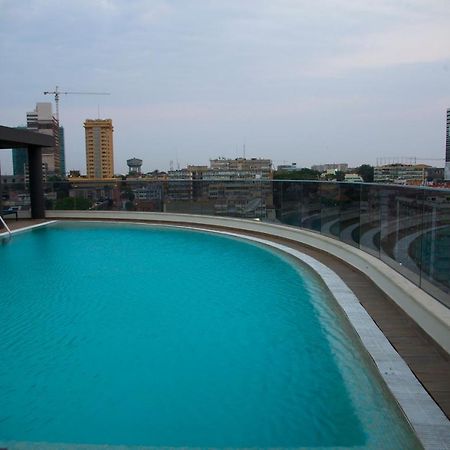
[426, 418]
[428, 421]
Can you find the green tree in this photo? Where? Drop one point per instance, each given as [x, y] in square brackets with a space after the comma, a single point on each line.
[301, 174]
[366, 173]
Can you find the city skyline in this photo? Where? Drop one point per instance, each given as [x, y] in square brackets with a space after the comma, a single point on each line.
[332, 82]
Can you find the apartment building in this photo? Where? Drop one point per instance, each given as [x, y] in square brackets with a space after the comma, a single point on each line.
[99, 148]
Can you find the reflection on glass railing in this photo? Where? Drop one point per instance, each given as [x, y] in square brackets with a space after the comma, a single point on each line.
[406, 227]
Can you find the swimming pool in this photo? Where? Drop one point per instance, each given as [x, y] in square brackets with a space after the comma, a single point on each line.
[137, 335]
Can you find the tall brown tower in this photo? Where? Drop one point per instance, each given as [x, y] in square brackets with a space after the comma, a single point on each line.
[99, 148]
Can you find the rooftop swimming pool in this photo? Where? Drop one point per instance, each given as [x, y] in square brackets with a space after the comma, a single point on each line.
[136, 335]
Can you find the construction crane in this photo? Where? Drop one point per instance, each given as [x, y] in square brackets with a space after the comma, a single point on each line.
[57, 93]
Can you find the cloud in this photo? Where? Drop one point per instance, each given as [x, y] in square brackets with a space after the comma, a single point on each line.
[212, 67]
[407, 44]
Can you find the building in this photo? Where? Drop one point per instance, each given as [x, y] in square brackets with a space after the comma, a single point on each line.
[41, 119]
[62, 152]
[240, 187]
[400, 173]
[20, 161]
[434, 175]
[341, 167]
[180, 185]
[353, 178]
[447, 148]
[243, 168]
[19, 158]
[99, 148]
[287, 167]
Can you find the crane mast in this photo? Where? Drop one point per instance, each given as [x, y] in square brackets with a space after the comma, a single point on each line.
[57, 94]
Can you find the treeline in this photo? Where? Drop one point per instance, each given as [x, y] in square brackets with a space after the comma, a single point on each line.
[365, 171]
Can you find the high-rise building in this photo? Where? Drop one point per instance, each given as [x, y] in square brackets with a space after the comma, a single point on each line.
[447, 149]
[99, 148]
[20, 158]
[41, 119]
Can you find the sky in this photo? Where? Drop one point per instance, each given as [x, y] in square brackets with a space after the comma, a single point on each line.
[310, 82]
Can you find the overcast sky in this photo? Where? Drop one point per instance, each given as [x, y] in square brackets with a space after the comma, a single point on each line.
[296, 81]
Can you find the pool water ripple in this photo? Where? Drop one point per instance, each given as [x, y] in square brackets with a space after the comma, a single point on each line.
[131, 335]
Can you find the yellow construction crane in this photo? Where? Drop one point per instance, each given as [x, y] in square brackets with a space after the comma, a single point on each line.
[57, 93]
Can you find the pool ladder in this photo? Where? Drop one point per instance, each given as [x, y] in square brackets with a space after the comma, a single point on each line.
[6, 226]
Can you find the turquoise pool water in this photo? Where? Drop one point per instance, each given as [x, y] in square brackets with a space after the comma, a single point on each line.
[134, 335]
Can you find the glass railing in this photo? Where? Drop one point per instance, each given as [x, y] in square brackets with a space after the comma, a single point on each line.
[406, 227]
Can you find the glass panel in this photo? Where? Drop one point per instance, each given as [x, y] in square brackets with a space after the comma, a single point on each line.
[289, 205]
[138, 195]
[15, 196]
[310, 217]
[268, 209]
[369, 231]
[432, 252]
[350, 212]
[401, 224]
[329, 199]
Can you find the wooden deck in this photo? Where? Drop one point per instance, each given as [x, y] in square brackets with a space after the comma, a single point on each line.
[428, 361]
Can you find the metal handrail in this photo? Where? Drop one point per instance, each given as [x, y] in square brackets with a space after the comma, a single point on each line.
[6, 226]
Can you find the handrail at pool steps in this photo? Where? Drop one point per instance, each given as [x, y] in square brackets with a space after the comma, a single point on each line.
[5, 225]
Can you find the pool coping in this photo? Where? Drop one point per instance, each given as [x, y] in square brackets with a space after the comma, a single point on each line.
[426, 418]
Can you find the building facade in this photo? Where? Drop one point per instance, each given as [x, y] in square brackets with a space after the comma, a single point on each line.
[287, 167]
[342, 167]
[62, 152]
[20, 161]
[447, 148]
[400, 173]
[41, 119]
[240, 187]
[99, 148]
[258, 168]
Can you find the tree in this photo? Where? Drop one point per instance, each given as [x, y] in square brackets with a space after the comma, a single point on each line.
[301, 174]
[366, 173]
[72, 203]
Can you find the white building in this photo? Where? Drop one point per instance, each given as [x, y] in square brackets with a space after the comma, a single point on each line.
[41, 120]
